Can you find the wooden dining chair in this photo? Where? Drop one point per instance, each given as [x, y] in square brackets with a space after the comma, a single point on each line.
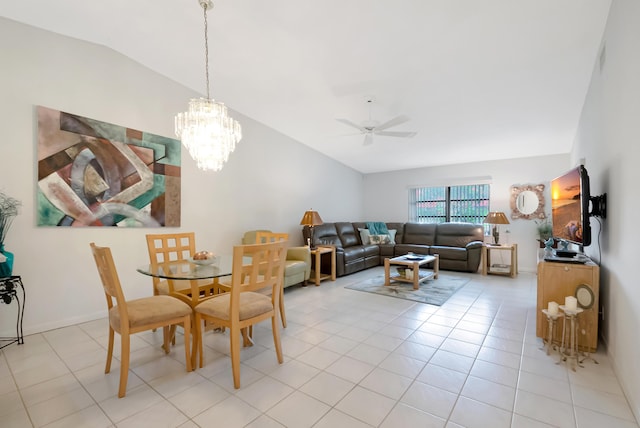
[134, 316]
[166, 247]
[243, 306]
[262, 237]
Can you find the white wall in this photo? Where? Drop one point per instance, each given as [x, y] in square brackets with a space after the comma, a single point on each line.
[386, 194]
[608, 140]
[269, 181]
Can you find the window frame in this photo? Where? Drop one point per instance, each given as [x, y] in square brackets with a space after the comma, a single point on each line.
[449, 198]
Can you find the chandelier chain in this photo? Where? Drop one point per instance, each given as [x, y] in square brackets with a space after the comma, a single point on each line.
[206, 129]
[206, 48]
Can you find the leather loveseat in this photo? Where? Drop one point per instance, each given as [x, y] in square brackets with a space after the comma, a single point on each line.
[459, 245]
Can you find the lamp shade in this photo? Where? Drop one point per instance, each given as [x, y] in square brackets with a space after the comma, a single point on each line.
[496, 217]
[311, 218]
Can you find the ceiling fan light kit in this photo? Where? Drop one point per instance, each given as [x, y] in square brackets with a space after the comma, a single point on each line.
[371, 128]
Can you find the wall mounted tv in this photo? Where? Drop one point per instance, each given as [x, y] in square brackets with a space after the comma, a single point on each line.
[570, 207]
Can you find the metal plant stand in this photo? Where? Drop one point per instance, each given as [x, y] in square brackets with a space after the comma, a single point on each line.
[9, 287]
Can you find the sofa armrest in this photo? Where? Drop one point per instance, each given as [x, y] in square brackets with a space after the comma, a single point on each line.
[302, 254]
[474, 244]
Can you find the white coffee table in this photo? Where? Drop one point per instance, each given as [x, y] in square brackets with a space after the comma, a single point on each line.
[412, 262]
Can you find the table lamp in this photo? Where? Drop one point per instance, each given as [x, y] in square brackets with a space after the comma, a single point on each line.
[311, 218]
[496, 218]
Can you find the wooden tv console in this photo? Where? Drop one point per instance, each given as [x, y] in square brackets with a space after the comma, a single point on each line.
[555, 282]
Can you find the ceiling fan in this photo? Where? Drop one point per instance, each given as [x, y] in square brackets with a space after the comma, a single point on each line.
[371, 127]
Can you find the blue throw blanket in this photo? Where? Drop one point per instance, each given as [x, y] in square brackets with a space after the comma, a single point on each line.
[377, 228]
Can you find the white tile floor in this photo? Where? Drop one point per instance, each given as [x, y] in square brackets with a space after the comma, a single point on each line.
[352, 359]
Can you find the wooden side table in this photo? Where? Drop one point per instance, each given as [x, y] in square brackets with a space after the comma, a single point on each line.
[316, 274]
[500, 269]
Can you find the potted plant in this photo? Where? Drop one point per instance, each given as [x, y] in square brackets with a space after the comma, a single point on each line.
[545, 231]
[8, 210]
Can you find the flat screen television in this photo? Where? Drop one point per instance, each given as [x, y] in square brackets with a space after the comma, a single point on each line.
[570, 207]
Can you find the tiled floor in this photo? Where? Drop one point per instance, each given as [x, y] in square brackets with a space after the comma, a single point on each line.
[352, 359]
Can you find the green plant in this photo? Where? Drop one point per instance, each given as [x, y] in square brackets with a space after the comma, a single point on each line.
[8, 210]
[545, 229]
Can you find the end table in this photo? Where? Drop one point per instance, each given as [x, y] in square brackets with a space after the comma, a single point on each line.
[500, 269]
[317, 253]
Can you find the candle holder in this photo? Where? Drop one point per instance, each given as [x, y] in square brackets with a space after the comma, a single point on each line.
[571, 355]
[552, 318]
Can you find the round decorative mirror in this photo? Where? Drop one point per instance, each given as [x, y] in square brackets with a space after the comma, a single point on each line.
[527, 202]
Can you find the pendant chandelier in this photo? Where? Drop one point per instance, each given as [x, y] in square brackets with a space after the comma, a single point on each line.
[206, 129]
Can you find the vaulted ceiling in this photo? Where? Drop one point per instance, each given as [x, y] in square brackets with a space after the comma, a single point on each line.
[479, 80]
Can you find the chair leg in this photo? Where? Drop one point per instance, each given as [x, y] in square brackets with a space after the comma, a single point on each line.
[276, 337]
[186, 325]
[107, 367]
[155, 293]
[282, 315]
[247, 334]
[234, 336]
[197, 341]
[124, 364]
[166, 338]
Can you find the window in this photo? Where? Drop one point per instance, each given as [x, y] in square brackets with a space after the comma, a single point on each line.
[468, 203]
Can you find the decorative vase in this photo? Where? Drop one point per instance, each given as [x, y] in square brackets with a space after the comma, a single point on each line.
[6, 267]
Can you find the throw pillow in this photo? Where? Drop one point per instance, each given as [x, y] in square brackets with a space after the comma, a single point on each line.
[392, 236]
[364, 236]
[379, 239]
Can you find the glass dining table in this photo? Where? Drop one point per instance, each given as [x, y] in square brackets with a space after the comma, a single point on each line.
[192, 281]
[187, 270]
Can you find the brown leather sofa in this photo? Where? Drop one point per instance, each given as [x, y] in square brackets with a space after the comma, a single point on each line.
[459, 245]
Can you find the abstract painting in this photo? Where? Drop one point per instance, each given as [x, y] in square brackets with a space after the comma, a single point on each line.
[93, 173]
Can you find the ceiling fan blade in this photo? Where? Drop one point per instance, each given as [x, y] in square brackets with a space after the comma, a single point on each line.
[393, 122]
[368, 139]
[350, 123]
[403, 134]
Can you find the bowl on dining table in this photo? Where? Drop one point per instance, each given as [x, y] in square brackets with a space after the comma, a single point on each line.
[203, 258]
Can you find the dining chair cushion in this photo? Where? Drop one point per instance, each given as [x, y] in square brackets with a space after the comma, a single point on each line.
[251, 304]
[149, 310]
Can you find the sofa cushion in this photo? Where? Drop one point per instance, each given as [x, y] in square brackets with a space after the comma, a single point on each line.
[371, 250]
[419, 233]
[326, 233]
[458, 234]
[347, 234]
[449, 253]
[386, 251]
[353, 253]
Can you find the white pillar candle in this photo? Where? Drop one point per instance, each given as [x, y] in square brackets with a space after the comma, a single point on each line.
[408, 273]
[571, 303]
[553, 308]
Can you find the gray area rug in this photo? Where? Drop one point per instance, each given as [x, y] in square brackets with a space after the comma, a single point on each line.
[433, 291]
